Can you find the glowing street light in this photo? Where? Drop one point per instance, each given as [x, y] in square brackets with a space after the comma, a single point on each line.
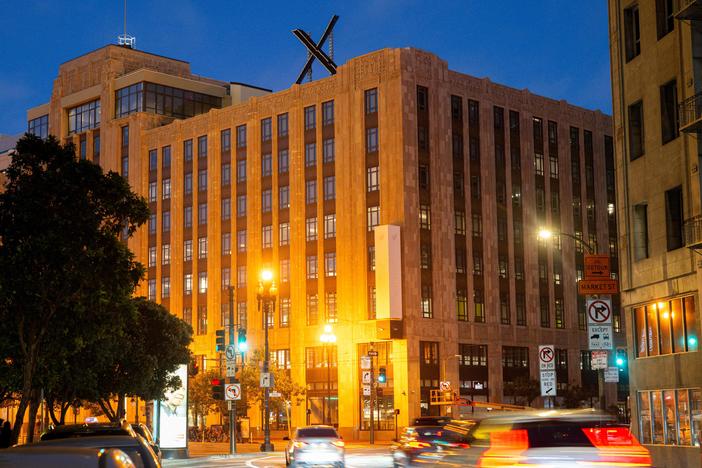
[267, 291]
[545, 234]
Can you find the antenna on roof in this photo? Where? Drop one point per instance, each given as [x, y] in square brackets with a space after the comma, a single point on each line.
[125, 39]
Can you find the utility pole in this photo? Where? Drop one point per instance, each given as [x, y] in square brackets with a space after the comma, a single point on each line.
[232, 404]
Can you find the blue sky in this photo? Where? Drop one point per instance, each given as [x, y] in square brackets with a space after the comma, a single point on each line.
[552, 47]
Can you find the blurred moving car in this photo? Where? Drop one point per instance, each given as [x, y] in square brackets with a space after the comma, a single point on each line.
[549, 438]
[143, 430]
[136, 447]
[31, 456]
[425, 444]
[315, 445]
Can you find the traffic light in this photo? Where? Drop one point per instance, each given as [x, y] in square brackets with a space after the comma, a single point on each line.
[220, 341]
[241, 340]
[217, 388]
[620, 359]
[382, 376]
[193, 369]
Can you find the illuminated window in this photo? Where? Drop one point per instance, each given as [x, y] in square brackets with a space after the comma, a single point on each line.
[165, 287]
[283, 161]
[266, 200]
[226, 243]
[166, 254]
[267, 237]
[284, 233]
[266, 165]
[266, 129]
[202, 247]
[311, 267]
[311, 229]
[188, 284]
[152, 257]
[187, 250]
[372, 179]
[310, 154]
[84, 117]
[424, 217]
[373, 217]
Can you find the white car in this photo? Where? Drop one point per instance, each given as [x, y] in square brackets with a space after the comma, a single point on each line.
[315, 445]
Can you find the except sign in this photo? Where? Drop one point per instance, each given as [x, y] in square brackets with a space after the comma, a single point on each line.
[600, 336]
[231, 369]
[232, 391]
[365, 362]
[611, 374]
[548, 383]
[547, 353]
[597, 266]
[598, 360]
[598, 286]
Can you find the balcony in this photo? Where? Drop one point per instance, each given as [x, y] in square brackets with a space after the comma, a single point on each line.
[689, 10]
[690, 114]
[692, 230]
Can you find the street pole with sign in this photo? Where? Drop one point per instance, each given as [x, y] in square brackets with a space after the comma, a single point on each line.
[232, 379]
[547, 371]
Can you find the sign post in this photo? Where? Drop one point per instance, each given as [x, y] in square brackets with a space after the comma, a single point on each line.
[547, 370]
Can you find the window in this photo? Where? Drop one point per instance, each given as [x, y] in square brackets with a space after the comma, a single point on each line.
[202, 282]
[371, 140]
[328, 113]
[515, 356]
[329, 188]
[373, 217]
[539, 164]
[312, 309]
[241, 205]
[429, 351]
[310, 154]
[545, 313]
[460, 261]
[310, 192]
[202, 247]
[153, 191]
[521, 310]
[202, 213]
[330, 307]
[153, 158]
[226, 243]
[225, 140]
[372, 303]
[424, 217]
[310, 118]
[241, 136]
[371, 100]
[641, 231]
[477, 225]
[241, 170]
[284, 310]
[187, 250]
[502, 267]
[202, 320]
[425, 305]
[330, 226]
[226, 277]
[166, 254]
[85, 117]
[460, 222]
[283, 197]
[226, 208]
[424, 256]
[162, 100]
[665, 415]
[422, 98]
[283, 125]
[125, 166]
[632, 32]
[188, 183]
[372, 179]
[241, 240]
[284, 270]
[188, 150]
[152, 257]
[188, 284]
[505, 313]
[202, 146]
[311, 229]
[241, 280]
[152, 224]
[39, 126]
[636, 130]
[330, 264]
[669, 111]
[423, 177]
[553, 167]
[96, 148]
[202, 180]
[371, 258]
[477, 263]
[266, 129]
[665, 17]
[479, 306]
[266, 200]
[152, 290]
[166, 221]
[165, 287]
[666, 327]
[461, 306]
[267, 237]
[674, 218]
[241, 311]
[328, 150]
[284, 234]
[560, 316]
[166, 188]
[266, 165]
[283, 161]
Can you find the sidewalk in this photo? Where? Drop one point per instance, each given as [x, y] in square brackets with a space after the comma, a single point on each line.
[206, 449]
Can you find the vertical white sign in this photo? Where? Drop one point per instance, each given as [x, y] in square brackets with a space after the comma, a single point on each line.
[547, 370]
[173, 414]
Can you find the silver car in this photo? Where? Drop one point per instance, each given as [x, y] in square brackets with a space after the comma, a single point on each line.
[315, 445]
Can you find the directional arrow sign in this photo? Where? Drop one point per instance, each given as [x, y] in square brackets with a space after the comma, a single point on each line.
[548, 383]
[547, 353]
[599, 311]
[232, 391]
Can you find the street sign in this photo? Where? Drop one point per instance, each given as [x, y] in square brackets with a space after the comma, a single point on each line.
[596, 266]
[444, 385]
[232, 391]
[600, 336]
[611, 374]
[547, 353]
[548, 383]
[231, 368]
[366, 376]
[266, 380]
[372, 353]
[599, 322]
[598, 286]
[275, 394]
[365, 362]
[598, 360]
[230, 353]
[366, 390]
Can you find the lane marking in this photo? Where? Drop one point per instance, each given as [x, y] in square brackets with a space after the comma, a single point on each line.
[250, 463]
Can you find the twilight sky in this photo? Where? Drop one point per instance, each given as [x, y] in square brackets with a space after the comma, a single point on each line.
[554, 48]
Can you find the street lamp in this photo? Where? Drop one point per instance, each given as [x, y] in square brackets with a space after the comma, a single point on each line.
[443, 364]
[267, 291]
[328, 337]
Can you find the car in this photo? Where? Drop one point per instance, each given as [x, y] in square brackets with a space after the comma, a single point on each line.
[549, 438]
[136, 447]
[32, 456]
[315, 445]
[88, 430]
[425, 444]
[143, 430]
[431, 420]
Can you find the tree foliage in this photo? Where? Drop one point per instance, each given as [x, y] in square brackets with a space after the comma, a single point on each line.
[65, 277]
[523, 390]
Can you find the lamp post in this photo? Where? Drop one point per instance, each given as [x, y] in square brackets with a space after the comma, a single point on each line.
[443, 366]
[328, 337]
[267, 291]
[546, 234]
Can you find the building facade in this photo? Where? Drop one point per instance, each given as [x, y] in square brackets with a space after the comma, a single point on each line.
[396, 200]
[656, 86]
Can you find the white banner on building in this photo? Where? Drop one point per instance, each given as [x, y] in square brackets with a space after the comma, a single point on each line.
[173, 414]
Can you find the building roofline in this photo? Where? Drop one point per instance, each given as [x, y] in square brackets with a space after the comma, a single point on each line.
[123, 47]
[250, 86]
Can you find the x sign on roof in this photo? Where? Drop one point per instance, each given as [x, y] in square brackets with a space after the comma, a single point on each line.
[316, 49]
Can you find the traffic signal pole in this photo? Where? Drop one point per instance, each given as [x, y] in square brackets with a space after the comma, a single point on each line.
[232, 404]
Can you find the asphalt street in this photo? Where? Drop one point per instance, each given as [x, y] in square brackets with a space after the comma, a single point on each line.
[362, 457]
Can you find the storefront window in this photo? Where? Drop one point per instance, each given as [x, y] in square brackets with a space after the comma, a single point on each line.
[696, 414]
[669, 416]
[678, 327]
[652, 330]
[684, 417]
[657, 417]
[691, 324]
[383, 401]
[645, 413]
[640, 336]
[664, 320]
[669, 407]
[666, 327]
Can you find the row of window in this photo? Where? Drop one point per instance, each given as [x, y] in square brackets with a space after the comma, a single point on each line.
[163, 100]
[665, 23]
[669, 120]
[666, 327]
[476, 355]
[674, 224]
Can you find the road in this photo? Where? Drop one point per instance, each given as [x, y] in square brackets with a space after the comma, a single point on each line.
[357, 457]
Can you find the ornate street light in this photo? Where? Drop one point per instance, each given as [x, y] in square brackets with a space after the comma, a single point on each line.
[327, 338]
[267, 291]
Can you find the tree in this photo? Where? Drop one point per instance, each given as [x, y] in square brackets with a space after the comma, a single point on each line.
[523, 390]
[200, 401]
[291, 393]
[574, 396]
[64, 273]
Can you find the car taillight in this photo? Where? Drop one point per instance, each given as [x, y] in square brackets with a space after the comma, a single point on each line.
[418, 444]
[299, 444]
[617, 447]
[338, 443]
[610, 436]
[506, 448]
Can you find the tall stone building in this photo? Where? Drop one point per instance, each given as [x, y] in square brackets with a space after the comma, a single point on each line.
[656, 85]
[397, 200]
